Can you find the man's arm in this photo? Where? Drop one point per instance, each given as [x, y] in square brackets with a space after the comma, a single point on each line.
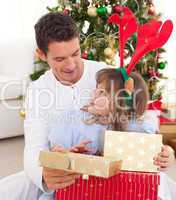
[42, 177]
[36, 139]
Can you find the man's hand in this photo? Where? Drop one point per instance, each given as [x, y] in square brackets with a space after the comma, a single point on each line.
[165, 158]
[56, 179]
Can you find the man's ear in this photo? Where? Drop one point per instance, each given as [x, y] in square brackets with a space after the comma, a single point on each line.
[41, 54]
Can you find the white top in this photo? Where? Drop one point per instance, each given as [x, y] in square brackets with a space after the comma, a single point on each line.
[46, 99]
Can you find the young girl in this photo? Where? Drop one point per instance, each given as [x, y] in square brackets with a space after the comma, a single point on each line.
[116, 105]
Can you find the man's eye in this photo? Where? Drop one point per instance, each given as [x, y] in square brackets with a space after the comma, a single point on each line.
[59, 60]
[76, 54]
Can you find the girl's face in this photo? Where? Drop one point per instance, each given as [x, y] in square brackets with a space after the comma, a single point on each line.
[101, 100]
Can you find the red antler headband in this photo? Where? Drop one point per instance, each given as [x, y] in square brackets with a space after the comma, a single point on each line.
[150, 36]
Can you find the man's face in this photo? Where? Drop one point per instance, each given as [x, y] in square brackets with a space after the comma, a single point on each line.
[64, 58]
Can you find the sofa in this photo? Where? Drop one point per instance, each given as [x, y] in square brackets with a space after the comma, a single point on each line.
[16, 63]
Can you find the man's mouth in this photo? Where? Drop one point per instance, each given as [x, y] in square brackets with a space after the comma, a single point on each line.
[69, 72]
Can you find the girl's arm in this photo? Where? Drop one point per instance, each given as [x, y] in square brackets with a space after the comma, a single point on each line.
[148, 123]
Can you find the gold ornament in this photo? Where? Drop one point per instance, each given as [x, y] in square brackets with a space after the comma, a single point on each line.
[108, 61]
[129, 85]
[108, 52]
[92, 11]
[22, 113]
[36, 56]
[60, 9]
[113, 63]
[126, 53]
[152, 10]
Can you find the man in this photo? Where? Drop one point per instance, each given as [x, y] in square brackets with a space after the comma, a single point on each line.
[67, 86]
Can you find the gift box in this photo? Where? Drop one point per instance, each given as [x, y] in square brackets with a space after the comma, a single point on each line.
[80, 163]
[123, 186]
[136, 150]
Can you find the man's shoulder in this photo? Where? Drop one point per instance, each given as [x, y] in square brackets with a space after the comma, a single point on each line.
[42, 80]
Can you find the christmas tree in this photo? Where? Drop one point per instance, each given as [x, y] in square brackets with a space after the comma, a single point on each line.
[99, 40]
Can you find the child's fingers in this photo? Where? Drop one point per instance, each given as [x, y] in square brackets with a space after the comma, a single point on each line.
[81, 150]
[86, 149]
[163, 169]
[163, 155]
[85, 142]
[82, 147]
[56, 148]
[93, 110]
[79, 146]
[84, 108]
[161, 159]
[74, 149]
[161, 163]
[77, 149]
[164, 158]
[89, 150]
[164, 152]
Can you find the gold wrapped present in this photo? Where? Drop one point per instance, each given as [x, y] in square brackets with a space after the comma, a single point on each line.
[136, 150]
[80, 163]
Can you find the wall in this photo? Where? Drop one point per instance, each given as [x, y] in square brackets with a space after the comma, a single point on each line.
[167, 9]
[17, 43]
[18, 17]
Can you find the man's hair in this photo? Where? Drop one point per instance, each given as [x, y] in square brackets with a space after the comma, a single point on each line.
[54, 27]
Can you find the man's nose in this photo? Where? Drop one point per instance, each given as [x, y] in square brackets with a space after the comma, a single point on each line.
[70, 65]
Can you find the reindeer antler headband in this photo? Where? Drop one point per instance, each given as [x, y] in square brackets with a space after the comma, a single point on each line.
[150, 36]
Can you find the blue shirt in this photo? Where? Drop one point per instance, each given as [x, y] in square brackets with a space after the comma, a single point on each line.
[70, 130]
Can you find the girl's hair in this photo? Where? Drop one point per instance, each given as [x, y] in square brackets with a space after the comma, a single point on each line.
[120, 110]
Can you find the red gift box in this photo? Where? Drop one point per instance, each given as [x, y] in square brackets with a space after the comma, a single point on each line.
[123, 186]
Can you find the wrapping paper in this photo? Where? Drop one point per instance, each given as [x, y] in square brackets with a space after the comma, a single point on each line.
[123, 186]
[136, 150]
[81, 163]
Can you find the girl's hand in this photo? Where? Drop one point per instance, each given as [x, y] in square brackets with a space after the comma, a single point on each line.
[58, 148]
[81, 148]
[85, 108]
[165, 158]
